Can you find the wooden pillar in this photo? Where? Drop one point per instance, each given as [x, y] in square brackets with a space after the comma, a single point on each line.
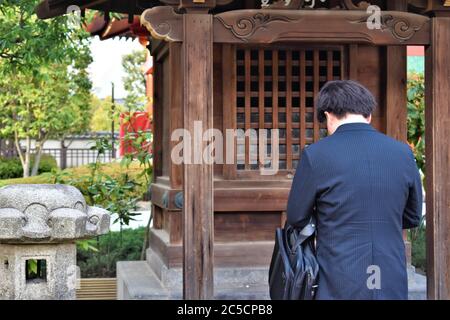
[438, 159]
[396, 101]
[396, 95]
[396, 113]
[198, 178]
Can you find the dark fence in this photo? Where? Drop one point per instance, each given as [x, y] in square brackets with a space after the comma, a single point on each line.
[7, 149]
[69, 158]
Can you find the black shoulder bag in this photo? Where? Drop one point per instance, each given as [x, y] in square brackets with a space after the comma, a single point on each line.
[294, 269]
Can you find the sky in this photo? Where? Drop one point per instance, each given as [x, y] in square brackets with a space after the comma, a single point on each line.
[107, 68]
[107, 65]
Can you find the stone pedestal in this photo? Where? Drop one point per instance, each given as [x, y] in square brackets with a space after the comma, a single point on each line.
[58, 281]
[39, 225]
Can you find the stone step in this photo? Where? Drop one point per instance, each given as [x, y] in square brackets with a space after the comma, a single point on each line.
[137, 281]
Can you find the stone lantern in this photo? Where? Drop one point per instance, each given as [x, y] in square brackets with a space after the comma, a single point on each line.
[38, 228]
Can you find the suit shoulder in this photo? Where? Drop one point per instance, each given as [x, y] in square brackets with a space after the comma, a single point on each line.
[330, 143]
[319, 146]
[401, 146]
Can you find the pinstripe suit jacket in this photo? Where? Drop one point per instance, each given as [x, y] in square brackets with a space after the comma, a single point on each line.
[364, 188]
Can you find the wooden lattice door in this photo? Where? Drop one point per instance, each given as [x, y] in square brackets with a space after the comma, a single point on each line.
[276, 89]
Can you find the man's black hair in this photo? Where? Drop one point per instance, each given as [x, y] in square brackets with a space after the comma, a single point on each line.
[344, 97]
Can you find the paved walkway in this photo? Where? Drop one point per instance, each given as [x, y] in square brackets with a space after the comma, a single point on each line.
[141, 220]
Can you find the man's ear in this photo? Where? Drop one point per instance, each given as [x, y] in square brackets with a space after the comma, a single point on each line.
[369, 119]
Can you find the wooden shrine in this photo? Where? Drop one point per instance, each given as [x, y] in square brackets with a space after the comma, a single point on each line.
[259, 65]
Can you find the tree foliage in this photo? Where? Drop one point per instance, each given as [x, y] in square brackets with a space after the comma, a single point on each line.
[27, 42]
[134, 81]
[416, 117]
[102, 114]
[52, 105]
[44, 83]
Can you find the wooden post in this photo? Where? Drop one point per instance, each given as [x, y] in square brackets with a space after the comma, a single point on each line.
[198, 212]
[396, 102]
[63, 156]
[438, 159]
[396, 95]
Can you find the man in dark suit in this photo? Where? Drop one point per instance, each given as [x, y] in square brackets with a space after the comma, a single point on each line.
[364, 188]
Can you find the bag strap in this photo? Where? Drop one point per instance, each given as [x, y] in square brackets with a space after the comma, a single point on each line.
[304, 234]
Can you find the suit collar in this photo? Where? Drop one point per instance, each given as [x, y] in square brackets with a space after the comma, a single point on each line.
[355, 127]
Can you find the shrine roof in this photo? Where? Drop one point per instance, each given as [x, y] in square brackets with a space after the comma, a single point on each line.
[52, 8]
[116, 27]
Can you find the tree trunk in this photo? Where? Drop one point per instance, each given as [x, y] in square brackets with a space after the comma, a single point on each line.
[37, 158]
[26, 164]
[146, 236]
[19, 150]
[63, 155]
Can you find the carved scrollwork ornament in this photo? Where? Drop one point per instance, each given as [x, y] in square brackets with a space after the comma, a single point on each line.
[163, 23]
[247, 26]
[311, 4]
[400, 27]
[290, 4]
[350, 5]
[355, 26]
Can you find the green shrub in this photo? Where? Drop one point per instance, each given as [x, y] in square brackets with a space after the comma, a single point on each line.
[112, 247]
[10, 168]
[418, 248]
[113, 169]
[45, 178]
[47, 164]
[416, 116]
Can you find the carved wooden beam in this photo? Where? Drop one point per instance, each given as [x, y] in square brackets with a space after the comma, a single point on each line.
[198, 4]
[163, 23]
[350, 5]
[193, 4]
[216, 2]
[283, 4]
[311, 4]
[171, 2]
[268, 26]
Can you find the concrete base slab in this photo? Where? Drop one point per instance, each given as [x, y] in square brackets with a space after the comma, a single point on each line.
[137, 281]
[417, 285]
[152, 280]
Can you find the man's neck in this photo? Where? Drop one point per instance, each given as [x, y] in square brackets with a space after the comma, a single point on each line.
[353, 118]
